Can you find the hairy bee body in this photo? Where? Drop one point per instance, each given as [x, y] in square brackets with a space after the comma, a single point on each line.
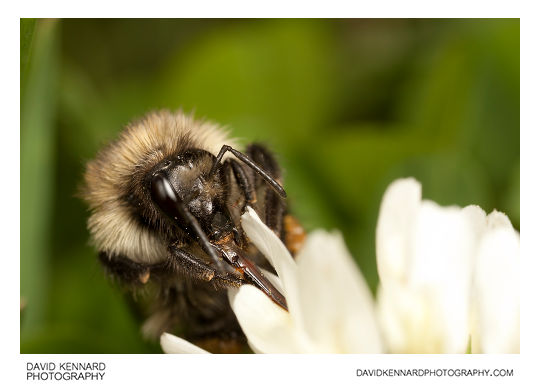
[165, 204]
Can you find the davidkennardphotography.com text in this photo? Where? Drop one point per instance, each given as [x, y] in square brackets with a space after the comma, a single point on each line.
[437, 372]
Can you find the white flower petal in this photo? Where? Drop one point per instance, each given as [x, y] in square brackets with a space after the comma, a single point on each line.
[337, 306]
[269, 328]
[496, 288]
[277, 254]
[476, 218]
[498, 220]
[399, 208]
[274, 280]
[425, 255]
[174, 344]
[443, 246]
[254, 348]
[444, 255]
[406, 320]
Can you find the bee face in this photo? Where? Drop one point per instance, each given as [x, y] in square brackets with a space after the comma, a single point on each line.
[189, 176]
[124, 222]
[186, 173]
[186, 181]
[166, 202]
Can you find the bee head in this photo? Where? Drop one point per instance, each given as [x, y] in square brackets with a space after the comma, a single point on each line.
[185, 181]
[125, 220]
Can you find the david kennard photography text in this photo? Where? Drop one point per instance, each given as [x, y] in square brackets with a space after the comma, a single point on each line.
[65, 371]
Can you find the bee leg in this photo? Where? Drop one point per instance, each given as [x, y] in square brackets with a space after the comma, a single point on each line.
[245, 159]
[275, 211]
[248, 195]
[274, 207]
[243, 181]
[181, 260]
[262, 156]
[127, 271]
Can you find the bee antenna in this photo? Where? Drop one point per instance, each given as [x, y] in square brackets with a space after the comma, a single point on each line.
[166, 197]
[242, 157]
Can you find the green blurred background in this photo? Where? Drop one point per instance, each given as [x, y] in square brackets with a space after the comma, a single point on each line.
[347, 105]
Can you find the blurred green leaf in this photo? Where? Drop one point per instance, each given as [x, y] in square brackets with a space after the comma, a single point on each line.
[510, 204]
[493, 135]
[37, 172]
[465, 96]
[91, 117]
[269, 80]
[436, 99]
[350, 166]
[447, 178]
[27, 34]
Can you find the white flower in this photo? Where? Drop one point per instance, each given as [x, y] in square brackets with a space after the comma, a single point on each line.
[448, 276]
[330, 307]
[495, 313]
[173, 344]
[449, 283]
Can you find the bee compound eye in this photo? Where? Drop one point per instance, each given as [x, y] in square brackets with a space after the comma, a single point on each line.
[164, 196]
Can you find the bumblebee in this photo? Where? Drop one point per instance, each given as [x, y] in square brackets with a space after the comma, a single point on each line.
[166, 199]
